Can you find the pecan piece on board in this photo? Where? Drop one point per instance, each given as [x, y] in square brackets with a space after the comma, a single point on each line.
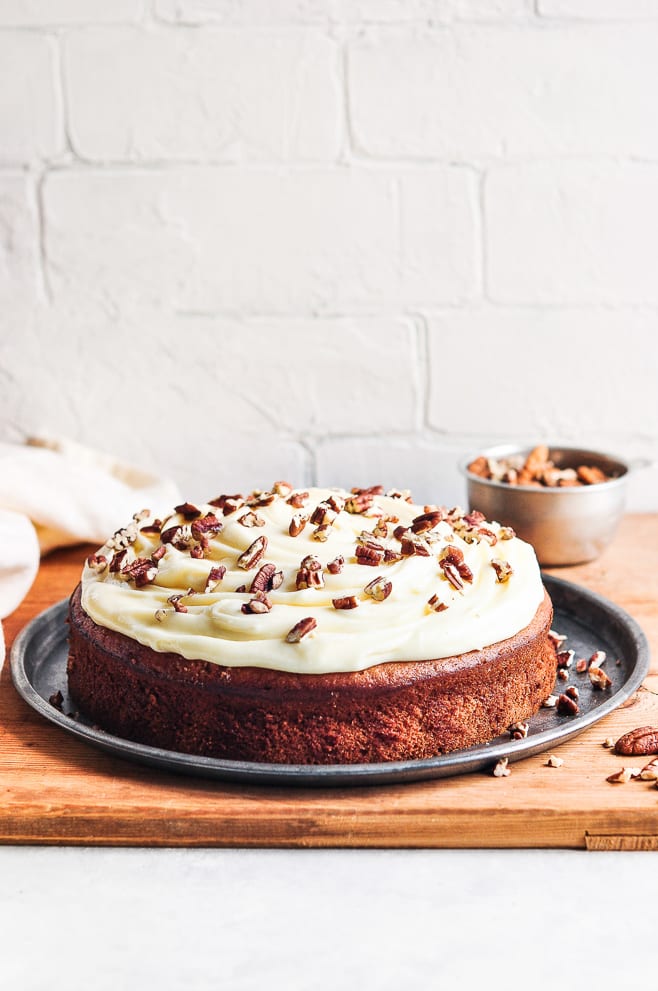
[639, 742]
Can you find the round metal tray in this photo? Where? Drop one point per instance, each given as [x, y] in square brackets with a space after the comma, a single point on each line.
[590, 622]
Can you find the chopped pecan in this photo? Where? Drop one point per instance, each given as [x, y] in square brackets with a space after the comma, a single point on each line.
[180, 537]
[151, 528]
[501, 770]
[639, 742]
[176, 602]
[380, 530]
[581, 665]
[57, 700]
[301, 629]
[282, 489]
[323, 513]
[197, 551]
[310, 573]
[623, 776]
[250, 519]
[598, 658]
[451, 561]
[414, 545]
[370, 555]
[359, 502]
[123, 538]
[297, 524]
[250, 558]
[215, 576]
[260, 498]
[506, 533]
[259, 604]
[391, 556]
[503, 570]
[97, 562]
[556, 638]
[321, 532]
[554, 761]
[404, 494]
[572, 692]
[435, 604]
[263, 578]
[650, 771]
[336, 566]
[158, 553]
[591, 475]
[599, 678]
[142, 571]
[345, 602]
[297, 499]
[117, 561]
[567, 706]
[336, 502]
[379, 588]
[565, 658]
[550, 702]
[480, 467]
[426, 521]
[228, 503]
[187, 511]
[207, 525]
[519, 731]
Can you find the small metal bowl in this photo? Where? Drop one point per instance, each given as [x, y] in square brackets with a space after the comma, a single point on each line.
[568, 525]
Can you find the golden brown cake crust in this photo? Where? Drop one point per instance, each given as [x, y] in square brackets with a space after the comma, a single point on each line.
[393, 711]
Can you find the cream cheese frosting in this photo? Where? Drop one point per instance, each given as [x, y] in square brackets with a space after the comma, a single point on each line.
[441, 582]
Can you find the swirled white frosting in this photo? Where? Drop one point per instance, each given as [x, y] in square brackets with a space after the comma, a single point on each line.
[402, 627]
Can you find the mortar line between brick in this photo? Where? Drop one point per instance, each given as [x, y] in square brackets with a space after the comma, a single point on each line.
[41, 231]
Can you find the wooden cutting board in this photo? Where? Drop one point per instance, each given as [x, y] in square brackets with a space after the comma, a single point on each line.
[58, 790]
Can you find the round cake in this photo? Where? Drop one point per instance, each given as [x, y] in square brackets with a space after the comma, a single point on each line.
[311, 626]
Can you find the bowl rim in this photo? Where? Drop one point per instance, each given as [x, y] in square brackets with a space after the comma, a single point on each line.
[505, 450]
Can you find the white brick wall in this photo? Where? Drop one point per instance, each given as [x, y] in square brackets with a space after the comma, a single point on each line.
[336, 240]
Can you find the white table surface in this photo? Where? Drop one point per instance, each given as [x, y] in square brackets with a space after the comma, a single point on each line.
[98, 919]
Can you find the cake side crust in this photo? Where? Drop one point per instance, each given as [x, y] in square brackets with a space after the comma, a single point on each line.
[392, 711]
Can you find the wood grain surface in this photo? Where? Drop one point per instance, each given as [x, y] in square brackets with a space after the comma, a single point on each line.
[58, 790]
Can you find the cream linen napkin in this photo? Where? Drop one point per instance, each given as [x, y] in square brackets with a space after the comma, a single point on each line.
[55, 492]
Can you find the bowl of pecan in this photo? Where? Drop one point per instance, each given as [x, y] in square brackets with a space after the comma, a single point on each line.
[566, 502]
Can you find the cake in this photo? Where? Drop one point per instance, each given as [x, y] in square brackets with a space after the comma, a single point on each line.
[311, 627]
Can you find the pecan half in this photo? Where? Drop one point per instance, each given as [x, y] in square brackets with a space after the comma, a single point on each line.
[426, 521]
[263, 578]
[639, 742]
[372, 555]
[250, 558]
[345, 602]
[301, 629]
